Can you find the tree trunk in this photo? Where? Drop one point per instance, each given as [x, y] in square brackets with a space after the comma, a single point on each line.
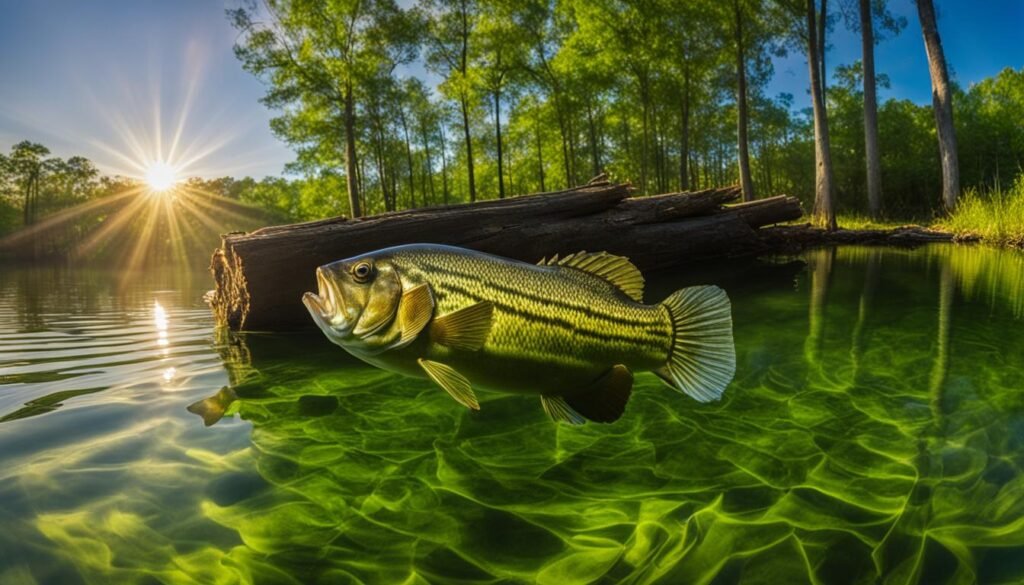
[382, 176]
[429, 162]
[351, 162]
[444, 164]
[497, 133]
[746, 182]
[566, 157]
[822, 29]
[469, 149]
[872, 155]
[595, 159]
[684, 133]
[824, 206]
[942, 103]
[644, 138]
[261, 276]
[408, 157]
[540, 155]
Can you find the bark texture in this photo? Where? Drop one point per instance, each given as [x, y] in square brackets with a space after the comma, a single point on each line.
[942, 103]
[824, 204]
[742, 118]
[871, 152]
[260, 276]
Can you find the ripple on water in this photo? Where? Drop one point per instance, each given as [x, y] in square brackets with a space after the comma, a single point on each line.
[873, 432]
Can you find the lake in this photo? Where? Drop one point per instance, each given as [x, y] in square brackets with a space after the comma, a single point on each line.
[874, 432]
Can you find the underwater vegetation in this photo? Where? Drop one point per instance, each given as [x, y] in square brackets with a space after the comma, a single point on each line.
[874, 433]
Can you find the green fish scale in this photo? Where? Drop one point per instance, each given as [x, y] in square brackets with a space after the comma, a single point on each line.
[544, 314]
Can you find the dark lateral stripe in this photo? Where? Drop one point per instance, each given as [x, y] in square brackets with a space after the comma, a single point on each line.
[563, 324]
[560, 303]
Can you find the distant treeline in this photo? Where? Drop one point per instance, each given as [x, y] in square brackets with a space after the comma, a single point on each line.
[669, 94]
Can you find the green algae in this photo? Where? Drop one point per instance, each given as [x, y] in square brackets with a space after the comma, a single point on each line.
[874, 433]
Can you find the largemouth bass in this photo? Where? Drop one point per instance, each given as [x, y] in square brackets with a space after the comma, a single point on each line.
[571, 330]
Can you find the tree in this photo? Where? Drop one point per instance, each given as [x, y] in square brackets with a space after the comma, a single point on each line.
[942, 103]
[866, 14]
[26, 159]
[451, 25]
[742, 115]
[316, 56]
[824, 213]
[872, 159]
[691, 52]
[499, 56]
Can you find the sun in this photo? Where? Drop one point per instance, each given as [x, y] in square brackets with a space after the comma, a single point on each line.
[161, 176]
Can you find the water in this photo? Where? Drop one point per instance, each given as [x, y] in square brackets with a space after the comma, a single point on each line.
[874, 431]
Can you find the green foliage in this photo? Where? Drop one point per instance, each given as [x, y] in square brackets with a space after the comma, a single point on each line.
[996, 215]
[561, 91]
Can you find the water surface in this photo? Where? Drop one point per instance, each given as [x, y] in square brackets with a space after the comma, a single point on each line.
[874, 432]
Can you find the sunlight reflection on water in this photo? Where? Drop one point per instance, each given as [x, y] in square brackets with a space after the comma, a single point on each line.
[874, 430]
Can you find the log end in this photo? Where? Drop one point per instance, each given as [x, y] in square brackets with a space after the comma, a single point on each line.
[229, 300]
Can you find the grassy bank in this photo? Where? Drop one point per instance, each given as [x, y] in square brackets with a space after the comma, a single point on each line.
[995, 217]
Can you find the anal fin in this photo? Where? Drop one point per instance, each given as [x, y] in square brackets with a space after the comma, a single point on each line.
[606, 399]
[453, 382]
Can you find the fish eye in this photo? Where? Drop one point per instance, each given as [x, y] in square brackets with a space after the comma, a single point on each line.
[362, 271]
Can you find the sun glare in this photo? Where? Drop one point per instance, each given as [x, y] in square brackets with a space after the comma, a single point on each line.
[161, 176]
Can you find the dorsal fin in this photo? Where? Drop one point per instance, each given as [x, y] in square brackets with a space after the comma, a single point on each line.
[617, 270]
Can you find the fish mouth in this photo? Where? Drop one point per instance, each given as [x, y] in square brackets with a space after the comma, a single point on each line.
[325, 305]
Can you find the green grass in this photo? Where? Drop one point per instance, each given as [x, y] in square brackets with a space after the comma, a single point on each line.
[856, 221]
[996, 216]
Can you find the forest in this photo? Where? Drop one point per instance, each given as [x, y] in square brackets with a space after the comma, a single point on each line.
[539, 95]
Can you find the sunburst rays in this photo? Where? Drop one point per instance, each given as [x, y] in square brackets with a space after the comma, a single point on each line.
[150, 139]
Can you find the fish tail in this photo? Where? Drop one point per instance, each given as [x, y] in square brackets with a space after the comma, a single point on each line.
[702, 360]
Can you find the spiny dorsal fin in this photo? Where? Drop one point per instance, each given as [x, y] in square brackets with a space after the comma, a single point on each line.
[559, 411]
[617, 270]
[453, 382]
[466, 328]
[606, 399]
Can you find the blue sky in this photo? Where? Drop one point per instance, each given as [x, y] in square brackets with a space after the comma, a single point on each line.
[90, 78]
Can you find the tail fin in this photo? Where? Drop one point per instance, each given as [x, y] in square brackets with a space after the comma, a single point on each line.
[702, 360]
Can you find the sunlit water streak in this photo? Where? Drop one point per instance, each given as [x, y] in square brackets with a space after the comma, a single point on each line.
[875, 429]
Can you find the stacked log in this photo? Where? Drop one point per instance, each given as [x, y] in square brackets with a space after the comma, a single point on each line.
[260, 276]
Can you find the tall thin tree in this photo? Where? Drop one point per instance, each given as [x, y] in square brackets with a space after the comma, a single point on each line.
[742, 114]
[872, 157]
[942, 103]
[824, 203]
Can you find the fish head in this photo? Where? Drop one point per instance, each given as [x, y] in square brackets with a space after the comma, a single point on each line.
[357, 299]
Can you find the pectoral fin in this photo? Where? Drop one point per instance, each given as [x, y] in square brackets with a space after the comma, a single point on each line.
[559, 411]
[606, 399]
[453, 382]
[464, 329]
[414, 313]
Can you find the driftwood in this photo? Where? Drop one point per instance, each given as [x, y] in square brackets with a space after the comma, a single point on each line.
[791, 239]
[260, 276]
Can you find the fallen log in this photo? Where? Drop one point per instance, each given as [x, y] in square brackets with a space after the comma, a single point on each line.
[260, 276]
[793, 239]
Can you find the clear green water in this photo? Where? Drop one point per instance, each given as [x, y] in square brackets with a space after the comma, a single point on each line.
[874, 432]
